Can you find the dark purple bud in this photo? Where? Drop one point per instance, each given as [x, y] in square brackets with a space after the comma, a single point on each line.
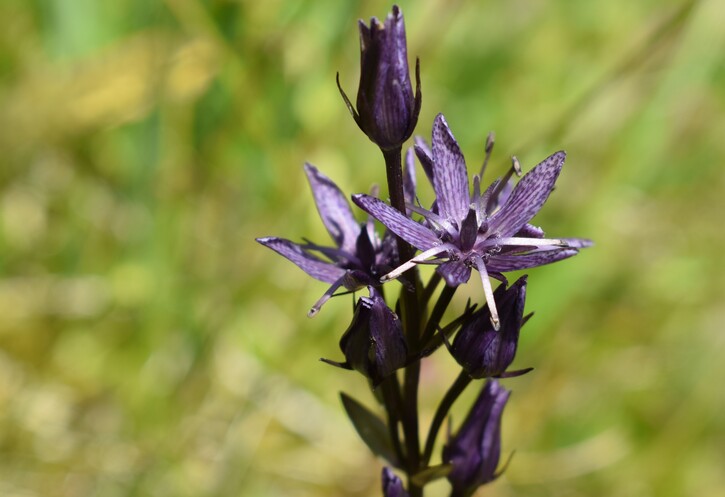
[475, 450]
[387, 109]
[484, 352]
[374, 343]
[392, 486]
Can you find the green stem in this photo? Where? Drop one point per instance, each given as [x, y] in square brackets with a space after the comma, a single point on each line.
[411, 318]
[430, 288]
[393, 406]
[452, 394]
[440, 308]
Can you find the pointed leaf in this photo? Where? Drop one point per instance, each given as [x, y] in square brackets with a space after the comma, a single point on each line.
[372, 430]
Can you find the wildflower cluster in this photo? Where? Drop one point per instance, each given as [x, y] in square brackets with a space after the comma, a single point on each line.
[486, 229]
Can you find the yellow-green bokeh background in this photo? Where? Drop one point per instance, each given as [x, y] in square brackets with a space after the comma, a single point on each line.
[148, 347]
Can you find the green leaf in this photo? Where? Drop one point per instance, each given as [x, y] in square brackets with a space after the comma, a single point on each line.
[430, 474]
[372, 430]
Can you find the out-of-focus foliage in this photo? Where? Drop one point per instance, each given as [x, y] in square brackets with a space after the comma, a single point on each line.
[149, 347]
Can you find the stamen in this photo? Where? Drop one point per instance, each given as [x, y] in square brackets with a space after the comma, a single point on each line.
[488, 292]
[515, 168]
[395, 273]
[490, 139]
[325, 297]
[516, 165]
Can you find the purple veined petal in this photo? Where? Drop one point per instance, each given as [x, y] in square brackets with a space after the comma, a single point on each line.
[414, 233]
[527, 197]
[334, 209]
[320, 270]
[529, 231]
[450, 178]
[386, 333]
[498, 195]
[397, 58]
[478, 347]
[338, 256]
[474, 451]
[425, 157]
[502, 263]
[491, 441]
[472, 345]
[392, 485]
[578, 242]
[454, 272]
[409, 181]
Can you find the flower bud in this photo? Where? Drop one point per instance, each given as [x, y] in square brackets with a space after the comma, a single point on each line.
[387, 110]
[374, 343]
[484, 352]
[475, 450]
[392, 486]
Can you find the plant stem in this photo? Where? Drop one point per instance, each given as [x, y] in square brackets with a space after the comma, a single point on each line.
[411, 318]
[438, 310]
[392, 400]
[452, 394]
[430, 288]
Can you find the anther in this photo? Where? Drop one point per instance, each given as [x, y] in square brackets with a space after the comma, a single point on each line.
[490, 139]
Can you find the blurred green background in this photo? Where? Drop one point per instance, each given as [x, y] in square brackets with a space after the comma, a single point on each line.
[149, 347]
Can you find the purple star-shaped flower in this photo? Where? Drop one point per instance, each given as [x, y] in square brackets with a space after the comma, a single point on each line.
[488, 230]
[360, 256]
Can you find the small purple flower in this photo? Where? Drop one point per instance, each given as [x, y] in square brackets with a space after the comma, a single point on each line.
[359, 258]
[488, 231]
[373, 344]
[475, 450]
[484, 352]
[387, 109]
[392, 485]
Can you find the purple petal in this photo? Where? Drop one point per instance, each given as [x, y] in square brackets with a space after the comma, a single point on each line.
[475, 449]
[392, 485]
[425, 156]
[491, 441]
[450, 178]
[385, 102]
[528, 196]
[320, 270]
[578, 242]
[414, 233]
[504, 263]
[454, 272]
[530, 231]
[334, 209]
[396, 53]
[409, 177]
